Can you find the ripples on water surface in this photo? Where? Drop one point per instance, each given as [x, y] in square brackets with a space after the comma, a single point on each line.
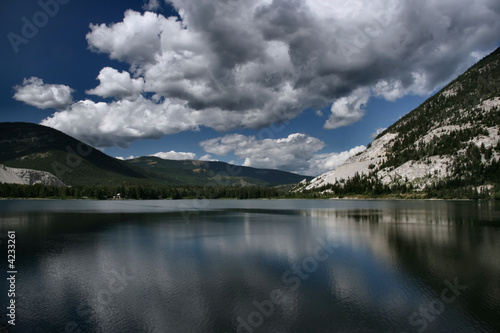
[254, 266]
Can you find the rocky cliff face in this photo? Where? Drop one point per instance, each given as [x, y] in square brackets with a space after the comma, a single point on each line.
[361, 164]
[28, 177]
[453, 139]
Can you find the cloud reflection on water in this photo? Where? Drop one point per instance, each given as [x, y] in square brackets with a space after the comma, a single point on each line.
[389, 259]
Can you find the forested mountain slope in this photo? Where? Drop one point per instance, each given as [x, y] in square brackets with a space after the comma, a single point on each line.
[36, 147]
[449, 143]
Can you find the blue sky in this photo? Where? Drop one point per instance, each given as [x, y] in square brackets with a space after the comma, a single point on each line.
[292, 85]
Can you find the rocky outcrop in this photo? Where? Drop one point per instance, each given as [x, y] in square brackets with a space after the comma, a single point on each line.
[9, 177]
[419, 173]
[362, 163]
[28, 177]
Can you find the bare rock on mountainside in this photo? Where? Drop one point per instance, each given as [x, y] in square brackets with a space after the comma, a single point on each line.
[452, 139]
[28, 177]
[9, 177]
[361, 163]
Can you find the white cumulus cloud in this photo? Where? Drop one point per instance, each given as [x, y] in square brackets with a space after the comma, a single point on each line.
[116, 84]
[246, 64]
[122, 122]
[295, 153]
[174, 155]
[208, 158]
[131, 157]
[135, 40]
[43, 96]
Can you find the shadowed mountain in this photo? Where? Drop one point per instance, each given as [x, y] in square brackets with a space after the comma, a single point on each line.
[37, 147]
[192, 172]
[32, 146]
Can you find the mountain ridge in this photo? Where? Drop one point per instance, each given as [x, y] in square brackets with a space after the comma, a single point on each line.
[450, 141]
[37, 147]
[218, 173]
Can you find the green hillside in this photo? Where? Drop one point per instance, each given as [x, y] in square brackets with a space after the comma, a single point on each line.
[31, 146]
[192, 172]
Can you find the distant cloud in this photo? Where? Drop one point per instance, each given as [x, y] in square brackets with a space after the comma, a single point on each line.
[295, 153]
[173, 155]
[322, 163]
[208, 158]
[247, 64]
[131, 157]
[152, 5]
[43, 96]
[377, 132]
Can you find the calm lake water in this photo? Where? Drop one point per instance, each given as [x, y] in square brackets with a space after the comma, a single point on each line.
[253, 266]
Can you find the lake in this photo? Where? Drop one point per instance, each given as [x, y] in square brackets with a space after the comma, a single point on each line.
[253, 266]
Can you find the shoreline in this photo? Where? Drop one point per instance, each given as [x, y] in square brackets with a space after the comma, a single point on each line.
[336, 199]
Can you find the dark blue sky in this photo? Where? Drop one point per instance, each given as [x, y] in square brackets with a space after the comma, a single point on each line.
[59, 54]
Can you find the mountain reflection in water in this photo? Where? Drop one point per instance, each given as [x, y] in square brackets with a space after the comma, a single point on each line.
[255, 266]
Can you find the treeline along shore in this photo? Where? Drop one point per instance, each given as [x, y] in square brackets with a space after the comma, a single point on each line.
[359, 187]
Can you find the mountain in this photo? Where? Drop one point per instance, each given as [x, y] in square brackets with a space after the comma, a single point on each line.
[193, 172]
[448, 143]
[37, 147]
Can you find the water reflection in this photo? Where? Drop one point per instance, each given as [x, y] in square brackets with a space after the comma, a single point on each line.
[337, 267]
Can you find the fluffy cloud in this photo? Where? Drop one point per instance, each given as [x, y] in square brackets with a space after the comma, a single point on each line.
[43, 96]
[208, 158]
[123, 121]
[296, 153]
[348, 110]
[233, 64]
[116, 84]
[135, 40]
[131, 157]
[174, 155]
